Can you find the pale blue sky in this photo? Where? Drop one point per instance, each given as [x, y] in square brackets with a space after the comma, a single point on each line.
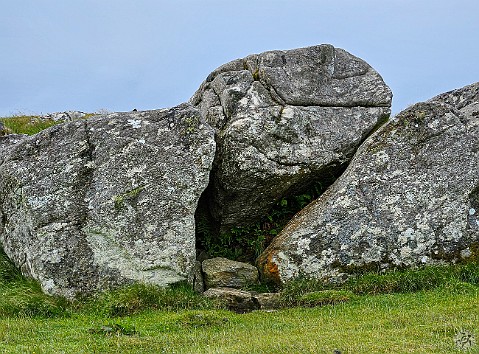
[118, 55]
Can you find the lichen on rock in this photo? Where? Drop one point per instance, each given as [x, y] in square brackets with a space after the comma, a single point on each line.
[407, 198]
[97, 203]
[283, 120]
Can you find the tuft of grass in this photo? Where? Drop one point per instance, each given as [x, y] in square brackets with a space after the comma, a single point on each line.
[23, 297]
[325, 297]
[457, 278]
[113, 329]
[23, 124]
[412, 280]
[201, 319]
[139, 297]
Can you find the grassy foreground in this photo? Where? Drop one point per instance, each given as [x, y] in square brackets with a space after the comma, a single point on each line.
[421, 322]
[419, 311]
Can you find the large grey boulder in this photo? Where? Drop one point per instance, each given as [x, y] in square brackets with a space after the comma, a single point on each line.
[410, 196]
[283, 120]
[106, 201]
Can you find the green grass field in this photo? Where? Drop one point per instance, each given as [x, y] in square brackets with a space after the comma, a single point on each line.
[24, 124]
[421, 322]
[414, 311]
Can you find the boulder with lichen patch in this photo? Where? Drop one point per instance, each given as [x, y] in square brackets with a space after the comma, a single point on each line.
[106, 201]
[283, 120]
[409, 197]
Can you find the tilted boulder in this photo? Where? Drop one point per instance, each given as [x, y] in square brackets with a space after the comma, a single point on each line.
[283, 120]
[410, 196]
[106, 201]
[222, 272]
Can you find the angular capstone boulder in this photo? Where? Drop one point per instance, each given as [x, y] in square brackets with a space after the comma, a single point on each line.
[409, 197]
[283, 120]
[106, 201]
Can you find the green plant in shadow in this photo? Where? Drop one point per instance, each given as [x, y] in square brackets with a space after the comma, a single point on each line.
[246, 243]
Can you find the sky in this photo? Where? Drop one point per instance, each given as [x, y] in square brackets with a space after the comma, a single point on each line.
[117, 55]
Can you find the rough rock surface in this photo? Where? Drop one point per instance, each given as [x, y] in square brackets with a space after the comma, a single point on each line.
[222, 272]
[67, 116]
[410, 196]
[284, 119]
[268, 301]
[106, 201]
[198, 279]
[236, 300]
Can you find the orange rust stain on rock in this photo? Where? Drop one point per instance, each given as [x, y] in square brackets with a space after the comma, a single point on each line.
[270, 268]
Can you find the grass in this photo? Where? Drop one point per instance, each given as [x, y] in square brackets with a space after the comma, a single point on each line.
[421, 322]
[30, 124]
[410, 311]
[24, 124]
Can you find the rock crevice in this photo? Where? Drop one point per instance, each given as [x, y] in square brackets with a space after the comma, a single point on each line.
[404, 200]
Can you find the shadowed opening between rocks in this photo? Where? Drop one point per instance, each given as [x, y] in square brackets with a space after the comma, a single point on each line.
[246, 242]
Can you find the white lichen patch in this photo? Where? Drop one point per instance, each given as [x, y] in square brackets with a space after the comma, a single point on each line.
[136, 170]
[303, 244]
[381, 158]
[135, 123]
[49, 286]
[37, 202]
[466, 253]
[288, 270]
[406, 236]
[150, 267]
[288, 113]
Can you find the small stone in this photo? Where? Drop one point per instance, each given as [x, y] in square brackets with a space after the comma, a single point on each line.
[268, 301]
[222, 272]
[236, 300]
